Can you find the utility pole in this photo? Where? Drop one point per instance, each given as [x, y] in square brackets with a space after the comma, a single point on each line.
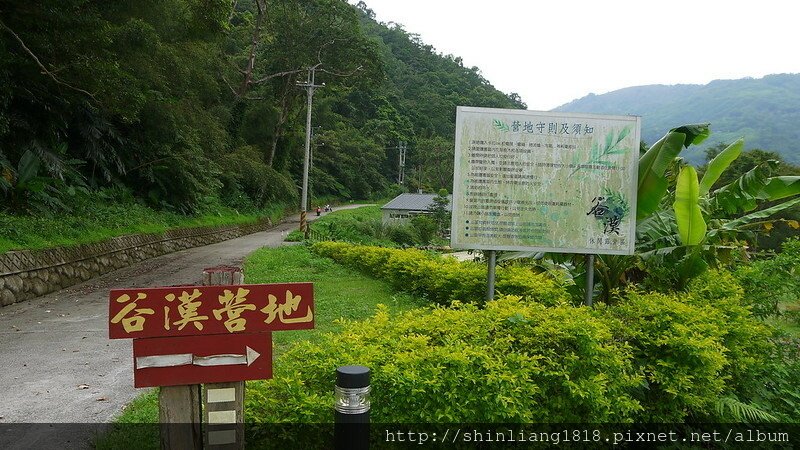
[402, 169]
[309, 87]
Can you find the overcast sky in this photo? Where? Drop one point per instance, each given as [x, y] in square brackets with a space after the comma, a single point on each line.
[553, 52]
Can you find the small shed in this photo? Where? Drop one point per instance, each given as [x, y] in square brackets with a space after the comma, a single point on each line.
[404, 206]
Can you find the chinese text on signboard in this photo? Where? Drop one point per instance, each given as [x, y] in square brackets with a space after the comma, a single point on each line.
[194, 310]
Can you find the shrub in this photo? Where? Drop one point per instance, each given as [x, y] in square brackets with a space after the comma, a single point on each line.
[769, 282]
[692, 349]
[512, 361]
[778, 379]
[441, 280]
[746, 340]
[651, 357]
[424, 228]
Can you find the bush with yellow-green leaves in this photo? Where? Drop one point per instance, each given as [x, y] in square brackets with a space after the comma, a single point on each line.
[653, 358]
[531, 357]
[441, 280]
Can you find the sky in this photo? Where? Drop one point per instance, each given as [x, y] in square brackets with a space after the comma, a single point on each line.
[551, 53]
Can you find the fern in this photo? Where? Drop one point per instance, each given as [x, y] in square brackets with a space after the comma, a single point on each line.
[731, 408]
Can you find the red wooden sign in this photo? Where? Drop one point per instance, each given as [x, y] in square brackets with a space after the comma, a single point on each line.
[171, 361]
[210, 310]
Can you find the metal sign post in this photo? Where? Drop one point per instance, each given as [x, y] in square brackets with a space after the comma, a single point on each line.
[492, 260]
[589, 280]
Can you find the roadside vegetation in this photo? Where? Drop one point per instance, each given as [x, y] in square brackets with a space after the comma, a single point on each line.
[341, 295]
[364, 226]
[697, 326]
[99, 215]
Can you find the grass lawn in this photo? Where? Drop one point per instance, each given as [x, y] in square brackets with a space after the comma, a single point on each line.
[788, 324]
[338, 293]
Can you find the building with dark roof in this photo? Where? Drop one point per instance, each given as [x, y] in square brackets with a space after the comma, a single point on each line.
[404, 206]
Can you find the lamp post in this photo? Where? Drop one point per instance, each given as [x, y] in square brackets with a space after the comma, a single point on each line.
[309, 87]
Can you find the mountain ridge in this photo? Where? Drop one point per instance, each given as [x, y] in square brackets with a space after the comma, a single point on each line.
[763, 111]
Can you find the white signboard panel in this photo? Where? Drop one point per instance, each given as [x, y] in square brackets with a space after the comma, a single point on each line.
[545, 181]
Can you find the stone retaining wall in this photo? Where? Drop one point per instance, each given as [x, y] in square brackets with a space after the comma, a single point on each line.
[31, 273]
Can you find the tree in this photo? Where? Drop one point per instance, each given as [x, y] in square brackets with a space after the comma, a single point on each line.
[440, 212]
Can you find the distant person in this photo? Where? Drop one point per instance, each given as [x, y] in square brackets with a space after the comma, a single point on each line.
[328, 208]
[319, 210]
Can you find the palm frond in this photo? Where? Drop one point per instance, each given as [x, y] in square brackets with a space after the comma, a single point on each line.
[729, 408]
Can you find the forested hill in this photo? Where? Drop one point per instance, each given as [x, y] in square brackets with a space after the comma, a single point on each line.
[764, 111]
[182, 103]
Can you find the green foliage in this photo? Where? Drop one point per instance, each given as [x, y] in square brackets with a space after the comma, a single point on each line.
[691, 349]
[511, 362]
[440, 280]
[194, 102]
[439, 211]
[99, 215]
[364, 226]
[776, 389]
[653, 165]
[425, 228]
[719, 163]
[769, 282]
[705, 225]
[359, 225]
[688, 216]
[651, 358]
[246, 173]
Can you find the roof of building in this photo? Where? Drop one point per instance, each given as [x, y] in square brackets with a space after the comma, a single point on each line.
[414, 202]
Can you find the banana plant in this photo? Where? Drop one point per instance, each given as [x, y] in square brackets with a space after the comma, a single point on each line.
[654, 164]
[704, 224]
[688, 215]
[691, 226]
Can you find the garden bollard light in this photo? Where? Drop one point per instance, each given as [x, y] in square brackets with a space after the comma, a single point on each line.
[352, 407]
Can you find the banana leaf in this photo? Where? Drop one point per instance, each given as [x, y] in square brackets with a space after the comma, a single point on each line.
[652, 166]
[656, 231]
[654, 163]
[763, 214]
[742, 194]
[777, 188]
[691, 226]
[718, 165]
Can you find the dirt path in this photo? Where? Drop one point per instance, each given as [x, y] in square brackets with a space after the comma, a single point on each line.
[57, 364]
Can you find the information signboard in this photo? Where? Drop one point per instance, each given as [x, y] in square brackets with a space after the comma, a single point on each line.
[545, 181]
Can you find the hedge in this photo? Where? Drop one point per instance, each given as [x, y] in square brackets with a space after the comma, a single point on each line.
[441, 280]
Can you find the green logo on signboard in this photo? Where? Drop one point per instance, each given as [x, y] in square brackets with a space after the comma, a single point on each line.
[601, 152]
[499, 125]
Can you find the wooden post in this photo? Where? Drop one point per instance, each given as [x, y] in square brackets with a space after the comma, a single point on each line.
[223, 411]
[179, 415]
[223, 403]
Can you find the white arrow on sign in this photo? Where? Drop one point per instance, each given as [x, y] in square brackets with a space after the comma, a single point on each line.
[186, 359]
